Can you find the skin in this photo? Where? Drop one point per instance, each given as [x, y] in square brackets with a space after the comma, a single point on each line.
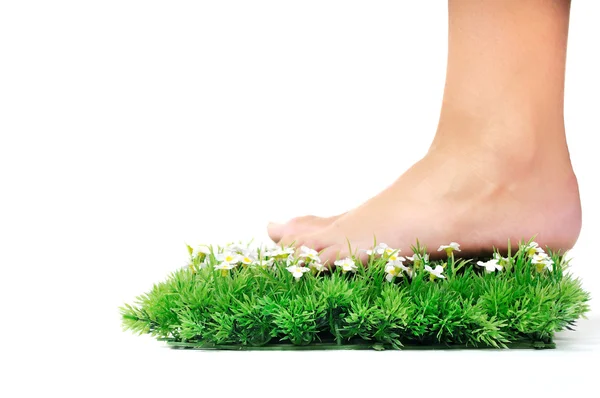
[499, 155]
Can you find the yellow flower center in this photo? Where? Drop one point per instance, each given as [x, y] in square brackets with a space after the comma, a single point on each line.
[539, 267]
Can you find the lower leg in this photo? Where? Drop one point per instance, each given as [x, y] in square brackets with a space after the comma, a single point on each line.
[505, 75]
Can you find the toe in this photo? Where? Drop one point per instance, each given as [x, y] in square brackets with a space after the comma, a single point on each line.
[295, 226]
[275, 231]
[329, 255]
[303, 219]
[339, 251]
[291, 240]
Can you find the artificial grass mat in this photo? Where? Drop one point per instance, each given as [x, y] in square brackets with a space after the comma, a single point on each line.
[235, 298]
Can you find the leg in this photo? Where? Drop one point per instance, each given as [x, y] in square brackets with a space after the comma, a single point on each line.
[499, 166]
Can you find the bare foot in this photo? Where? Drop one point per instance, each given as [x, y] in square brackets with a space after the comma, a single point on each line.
[499, 166]
[479, 195]
[299, 225]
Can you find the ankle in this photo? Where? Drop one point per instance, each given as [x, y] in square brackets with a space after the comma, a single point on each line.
[506, 164]
[526, 139]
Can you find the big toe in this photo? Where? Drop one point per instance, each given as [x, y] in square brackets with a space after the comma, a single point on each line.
[275, 231]
[295, 226]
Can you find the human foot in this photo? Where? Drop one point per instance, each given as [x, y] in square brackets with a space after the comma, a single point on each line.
[477, 196]
[299, 225]
[499, 166]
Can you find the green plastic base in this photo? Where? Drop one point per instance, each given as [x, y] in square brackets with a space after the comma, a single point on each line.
[354, 345]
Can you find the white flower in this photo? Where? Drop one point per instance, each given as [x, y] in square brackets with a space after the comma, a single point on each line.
[384, 250]
[347, 264]
[542, 261]
[395, 268]
[396, 264]
[450, 247]
[280, 253]
[501, 260]
[198, 256]
[235, 248]
[318, 266]
[200, 253]
[227, 261]
[228, 257]
[491, 265]
[532, 249]
[418, 259]
[394, 256]
[437, 272]
[297, 271]
[202, 249]
[247, 258]
[225, 266]
[309, 254]
[418, 256]
[379, 249]
[392, 272]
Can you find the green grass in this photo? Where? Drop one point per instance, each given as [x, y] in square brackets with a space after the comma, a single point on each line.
[267, 308]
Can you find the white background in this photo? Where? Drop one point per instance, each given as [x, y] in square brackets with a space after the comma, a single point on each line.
[129, 128]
